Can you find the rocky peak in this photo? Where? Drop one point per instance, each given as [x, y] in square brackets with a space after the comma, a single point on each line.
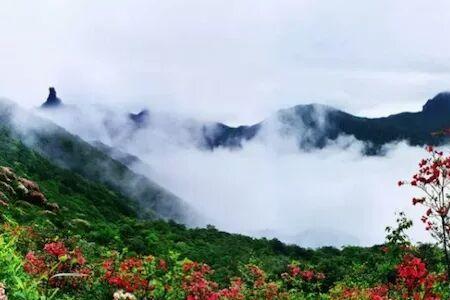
[438, 105]
[52, 100]
[141, 118]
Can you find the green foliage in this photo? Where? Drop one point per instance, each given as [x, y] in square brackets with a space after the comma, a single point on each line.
[101, 221]
[19, 284]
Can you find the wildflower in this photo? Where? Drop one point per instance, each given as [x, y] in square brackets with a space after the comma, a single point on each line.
[294, 270]
[79, 257]
[307, 275]
[34, 265]
[57, 249]
[162, 265]
[121, 295]
[130, 264]
[320, 276]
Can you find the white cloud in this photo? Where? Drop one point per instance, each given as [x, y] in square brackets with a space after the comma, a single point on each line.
[332, 196]
[336, 195]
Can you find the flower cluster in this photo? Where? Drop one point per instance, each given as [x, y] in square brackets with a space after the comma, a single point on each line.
[258, 286]
[129, 275]
[307, 275]
[57, 264]
[34, 265]
[414, 280]
[303, 279]
[234, 292]
[195, 282]
[152, 278]
[57, 249]
[433, 179]
[380, 292]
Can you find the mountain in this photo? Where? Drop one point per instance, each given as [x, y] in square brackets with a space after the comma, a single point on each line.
[71, 152]
[141, 118]
[314, 125]
[52, 100]
[311, 126]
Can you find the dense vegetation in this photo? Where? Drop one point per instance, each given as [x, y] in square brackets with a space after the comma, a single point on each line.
[92, 245]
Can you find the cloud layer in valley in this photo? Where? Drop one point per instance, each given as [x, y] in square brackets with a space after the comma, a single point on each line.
[332, 196]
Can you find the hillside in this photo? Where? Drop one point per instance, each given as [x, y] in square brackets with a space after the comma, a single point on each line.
[59, 209]
[102, 219]
[71, 152]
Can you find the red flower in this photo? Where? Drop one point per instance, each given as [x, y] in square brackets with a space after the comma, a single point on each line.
[294, 270]
[130, 264]
[34, 265]
[414, 279]
[162, 265]
[307, 275]
[188, 266]
[79, 257]
[57, 249]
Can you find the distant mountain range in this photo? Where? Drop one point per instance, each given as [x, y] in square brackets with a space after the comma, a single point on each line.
[312, 125]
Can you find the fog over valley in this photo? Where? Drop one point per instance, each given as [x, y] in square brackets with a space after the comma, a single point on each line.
[268, 187]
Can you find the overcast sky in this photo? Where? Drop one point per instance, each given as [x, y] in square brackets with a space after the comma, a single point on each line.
[234, 61]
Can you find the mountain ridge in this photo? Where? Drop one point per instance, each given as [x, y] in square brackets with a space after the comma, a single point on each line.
[312, 125]
[414, 127]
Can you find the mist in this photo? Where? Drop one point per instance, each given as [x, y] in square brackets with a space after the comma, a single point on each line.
[268, 188]
[333, 196]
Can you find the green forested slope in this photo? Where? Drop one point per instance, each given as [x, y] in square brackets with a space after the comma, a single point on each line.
[98, 214]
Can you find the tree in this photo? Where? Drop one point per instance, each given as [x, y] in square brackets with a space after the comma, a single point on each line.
[433, 179]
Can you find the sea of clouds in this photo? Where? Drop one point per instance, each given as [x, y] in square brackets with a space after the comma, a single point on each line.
[331, 196]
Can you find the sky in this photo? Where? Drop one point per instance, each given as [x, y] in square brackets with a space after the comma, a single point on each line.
[225, 60]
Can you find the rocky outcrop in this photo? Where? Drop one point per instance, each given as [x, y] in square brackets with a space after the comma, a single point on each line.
[52, 100]
[16, 187]
[140, 119]
[438, 105]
